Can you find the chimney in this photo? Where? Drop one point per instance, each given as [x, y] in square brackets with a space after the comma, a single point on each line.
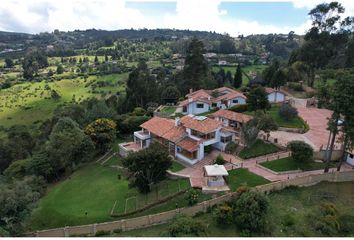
[190, 90]
[209, 98]
[190, 99]
[177, 121]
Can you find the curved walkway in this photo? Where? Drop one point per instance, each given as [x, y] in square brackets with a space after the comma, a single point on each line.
[196, 172]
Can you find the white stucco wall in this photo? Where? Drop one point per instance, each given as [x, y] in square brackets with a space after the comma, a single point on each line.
[280, 97]
[350, 160]
[240, 101]
[192, 108]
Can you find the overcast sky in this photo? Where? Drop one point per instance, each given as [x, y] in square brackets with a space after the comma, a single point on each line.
[233, 17]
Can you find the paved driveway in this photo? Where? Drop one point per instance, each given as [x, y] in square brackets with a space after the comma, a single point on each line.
[318, 134]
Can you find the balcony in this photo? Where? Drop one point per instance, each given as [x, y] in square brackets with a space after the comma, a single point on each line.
[143, 135]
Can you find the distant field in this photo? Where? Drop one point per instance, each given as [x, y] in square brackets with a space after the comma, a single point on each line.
[29, 102]
[248, 69]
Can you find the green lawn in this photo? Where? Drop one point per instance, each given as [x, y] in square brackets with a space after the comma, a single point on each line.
[292, 203]
[260, 148]
[176, 166]
[94, 189]
[273, 112]
[288, 164]
[168, 109]
[27, 103]
[241, 176]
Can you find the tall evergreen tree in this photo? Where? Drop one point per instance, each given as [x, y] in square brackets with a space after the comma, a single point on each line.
[238, 77]
[195, 68]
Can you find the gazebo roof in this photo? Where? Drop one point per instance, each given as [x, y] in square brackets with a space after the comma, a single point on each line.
[215, 170]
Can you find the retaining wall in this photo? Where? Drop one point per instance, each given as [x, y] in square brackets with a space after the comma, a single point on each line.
[150, 220]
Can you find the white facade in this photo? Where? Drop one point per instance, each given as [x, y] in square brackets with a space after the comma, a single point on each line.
[236, 101]
[275, 97]
[197, 108]
[350, 159]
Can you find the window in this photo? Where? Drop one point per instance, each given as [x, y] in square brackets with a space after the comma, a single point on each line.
[235, 101]
[200, 105]
[214, 105]
[226, 139]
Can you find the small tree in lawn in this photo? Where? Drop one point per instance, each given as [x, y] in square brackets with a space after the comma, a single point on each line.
[266, 123]
[192, 197]
[249, 133]
[257, 99]
[148, 166]
[220, 160]
[301, 152]
[102, 132]
[250, 211]
[60, 69]
[287, 112]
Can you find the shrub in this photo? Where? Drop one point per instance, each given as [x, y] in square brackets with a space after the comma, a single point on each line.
[186, 226]
[287, 112]
[192, 197]
[288, 220]
[239, 108]
[220, 160]
[223, 214]
[102, 233]
[325, 220]
[242, 189]
[231, 147]
[301, 152]
[138, 111]
[296, 87]
[250, 212]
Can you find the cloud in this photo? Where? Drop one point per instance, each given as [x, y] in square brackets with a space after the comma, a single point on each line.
[35, 16]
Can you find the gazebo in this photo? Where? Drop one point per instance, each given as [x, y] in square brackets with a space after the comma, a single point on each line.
[215, 175]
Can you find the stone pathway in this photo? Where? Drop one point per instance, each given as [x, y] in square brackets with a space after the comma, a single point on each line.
[196, 172]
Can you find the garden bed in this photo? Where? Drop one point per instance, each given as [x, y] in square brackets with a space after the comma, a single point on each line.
[260, 148]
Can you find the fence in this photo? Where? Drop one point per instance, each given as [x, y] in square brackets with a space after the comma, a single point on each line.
[150, 220]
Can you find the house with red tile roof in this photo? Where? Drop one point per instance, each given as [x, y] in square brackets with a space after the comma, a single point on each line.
[186, 138]
[205, 100]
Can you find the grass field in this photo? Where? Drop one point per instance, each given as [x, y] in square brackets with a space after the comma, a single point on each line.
[294, 203]
[288, 164]
[248, 69]
[243, 177]
[274, 113]
[94, 189]
[258, 149]
[168, 109]
[177, 167]
[29, 102]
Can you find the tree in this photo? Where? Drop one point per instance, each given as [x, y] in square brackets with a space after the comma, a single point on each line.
[9, 63]
[278, 80]
[301, 152]
[238, 77]
[40, 165]
[249, 133]
[21, 142]
[195, 67]
[60, 69]
[227, 45]
[17, 199]
[18, 169]
[266, 123]
[5, 155]
[269, 72]
[228, 78]
[96, 59]
[102, 132]
[223, 214]
[287, 112]
[148, 166]
[183, 226]
[219, 160]
[55, 95]
[250, 211]
[192, 197]
[68, 145]
[170, 94]
[257, 99]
